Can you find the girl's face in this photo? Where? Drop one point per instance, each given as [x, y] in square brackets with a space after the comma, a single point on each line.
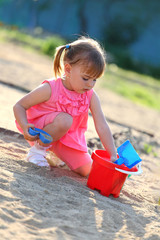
[77, 80]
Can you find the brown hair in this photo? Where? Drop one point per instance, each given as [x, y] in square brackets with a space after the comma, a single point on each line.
[84, 51]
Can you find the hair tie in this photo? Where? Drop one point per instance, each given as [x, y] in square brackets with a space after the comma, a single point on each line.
[68, 46]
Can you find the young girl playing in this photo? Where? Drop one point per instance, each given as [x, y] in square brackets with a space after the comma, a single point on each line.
[60, 107]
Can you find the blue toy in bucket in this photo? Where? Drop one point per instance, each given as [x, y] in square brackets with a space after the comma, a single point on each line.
[127, 155]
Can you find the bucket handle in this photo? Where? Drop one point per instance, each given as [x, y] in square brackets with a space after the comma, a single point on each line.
[129, 172]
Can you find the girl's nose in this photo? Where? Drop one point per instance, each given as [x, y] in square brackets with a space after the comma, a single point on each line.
[91, 83]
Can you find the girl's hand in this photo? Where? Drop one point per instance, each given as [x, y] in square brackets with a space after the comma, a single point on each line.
[26, 134]
[113, 159]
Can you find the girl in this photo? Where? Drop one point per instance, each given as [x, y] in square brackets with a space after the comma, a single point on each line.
[60, 107]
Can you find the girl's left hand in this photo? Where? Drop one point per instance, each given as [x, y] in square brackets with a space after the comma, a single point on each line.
[26, 134]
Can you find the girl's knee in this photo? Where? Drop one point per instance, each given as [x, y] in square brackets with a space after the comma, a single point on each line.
[84, 170]
[64, 121]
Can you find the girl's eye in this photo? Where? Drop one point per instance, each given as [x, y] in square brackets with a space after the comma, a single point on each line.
[86, 79]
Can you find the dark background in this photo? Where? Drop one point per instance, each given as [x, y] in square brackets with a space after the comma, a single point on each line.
[128, 29]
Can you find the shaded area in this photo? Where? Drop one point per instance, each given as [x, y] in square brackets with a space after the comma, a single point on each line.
[38, 203]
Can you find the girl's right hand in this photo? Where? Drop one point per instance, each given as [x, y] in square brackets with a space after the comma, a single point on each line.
[26, 134]
[113, 158]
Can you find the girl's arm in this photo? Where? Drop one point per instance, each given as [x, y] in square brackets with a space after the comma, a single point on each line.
[102, 127]
[38, 95]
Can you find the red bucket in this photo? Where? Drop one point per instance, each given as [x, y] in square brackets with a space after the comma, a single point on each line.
[105, 175]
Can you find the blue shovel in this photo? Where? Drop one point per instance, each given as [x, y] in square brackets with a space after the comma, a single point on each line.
[43, 136]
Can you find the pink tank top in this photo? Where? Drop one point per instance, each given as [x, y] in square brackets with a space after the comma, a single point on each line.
[73, 103]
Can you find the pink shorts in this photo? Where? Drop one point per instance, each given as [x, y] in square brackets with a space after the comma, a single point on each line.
[72, 157]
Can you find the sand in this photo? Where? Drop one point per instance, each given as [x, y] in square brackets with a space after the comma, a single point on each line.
[36, 203]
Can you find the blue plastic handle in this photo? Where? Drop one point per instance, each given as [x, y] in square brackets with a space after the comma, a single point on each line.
[43, 136]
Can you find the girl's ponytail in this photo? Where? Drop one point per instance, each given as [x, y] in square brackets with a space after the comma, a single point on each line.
[57, 60]
[84, 51]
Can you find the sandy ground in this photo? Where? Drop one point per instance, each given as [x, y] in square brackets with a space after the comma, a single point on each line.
[36, 203]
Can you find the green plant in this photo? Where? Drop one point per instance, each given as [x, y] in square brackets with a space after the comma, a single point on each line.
[148, 148]
[49, 45]
[139, 88]
[45, 44]
[155, 154]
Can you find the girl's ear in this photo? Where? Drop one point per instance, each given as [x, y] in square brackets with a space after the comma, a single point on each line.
[67, 68]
